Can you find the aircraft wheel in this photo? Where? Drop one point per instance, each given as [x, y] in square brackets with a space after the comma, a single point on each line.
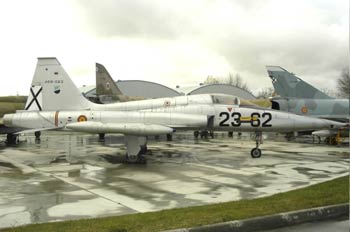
[255, 153]
[211, 133]
[12, 139]
[131, 158]
[136, 159]
[204, 134]
[37, 134]
[196, 134]
[101, 137]
[141, 159]
[169, 137]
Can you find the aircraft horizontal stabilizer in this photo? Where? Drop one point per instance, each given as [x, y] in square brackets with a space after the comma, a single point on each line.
[122, 128]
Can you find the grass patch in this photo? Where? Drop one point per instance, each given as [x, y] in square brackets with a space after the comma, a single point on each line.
[10, 104]
[18, 99]
[327, 193]
[10, 107]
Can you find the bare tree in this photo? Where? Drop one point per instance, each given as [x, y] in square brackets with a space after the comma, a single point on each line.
[229, 80]
[329, 92]
[238, 82]
[266, 93]
[344, 84]
[211, 80]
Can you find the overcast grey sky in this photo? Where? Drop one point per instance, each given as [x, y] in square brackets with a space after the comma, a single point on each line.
[175, 42]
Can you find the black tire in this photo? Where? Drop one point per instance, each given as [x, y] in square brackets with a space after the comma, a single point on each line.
[211, 134]
[37, 134]
[196, 134]
[255, 153]
[101, 136]
[12, 139]
[204, 134]
[131, 158]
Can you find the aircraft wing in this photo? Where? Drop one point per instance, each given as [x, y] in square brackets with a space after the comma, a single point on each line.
[20, 130]
[25, 131]
[139, 129]
[8, 130]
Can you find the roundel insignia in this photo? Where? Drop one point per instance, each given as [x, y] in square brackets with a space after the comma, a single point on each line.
[304, 110]
[108, 86]
[82, 118]
[167, 103]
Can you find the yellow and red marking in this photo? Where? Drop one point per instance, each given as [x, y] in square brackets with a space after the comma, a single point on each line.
[304, 110]
[167, 103]
[254, 118]
[82, 118]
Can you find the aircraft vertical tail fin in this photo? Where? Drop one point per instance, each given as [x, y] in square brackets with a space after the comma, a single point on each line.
[105, 84]
[52, 89]
[288, 85]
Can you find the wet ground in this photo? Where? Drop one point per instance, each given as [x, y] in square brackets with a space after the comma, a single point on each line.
[69, 176]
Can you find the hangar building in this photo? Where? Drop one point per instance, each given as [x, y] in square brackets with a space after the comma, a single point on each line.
[148, 90]
[217, 88]
[137, 88]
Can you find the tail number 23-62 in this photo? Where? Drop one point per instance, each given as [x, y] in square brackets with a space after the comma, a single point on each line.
[254, 119]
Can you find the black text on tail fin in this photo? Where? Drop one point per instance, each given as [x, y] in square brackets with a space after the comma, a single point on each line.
[52, 89]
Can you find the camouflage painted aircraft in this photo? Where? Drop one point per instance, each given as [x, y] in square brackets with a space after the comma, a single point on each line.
[55, 103]
[105, 85]
[107, 90]
[298, 97]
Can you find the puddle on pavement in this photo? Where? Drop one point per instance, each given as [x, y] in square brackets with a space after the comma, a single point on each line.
[171, 177]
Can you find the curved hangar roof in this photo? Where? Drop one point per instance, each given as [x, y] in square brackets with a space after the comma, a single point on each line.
[148, 90]
[219, 88]
[137, 88]
[145, 89]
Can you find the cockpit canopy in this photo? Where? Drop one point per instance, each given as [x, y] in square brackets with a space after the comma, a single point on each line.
[223, 99]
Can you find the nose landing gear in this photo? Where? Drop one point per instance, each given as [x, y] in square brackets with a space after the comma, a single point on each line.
[256, 152]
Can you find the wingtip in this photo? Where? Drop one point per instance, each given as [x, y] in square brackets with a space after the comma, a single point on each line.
[275, 68]
[48, 60]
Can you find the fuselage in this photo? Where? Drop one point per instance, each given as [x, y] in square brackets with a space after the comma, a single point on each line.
[335, 109]
[185, 112]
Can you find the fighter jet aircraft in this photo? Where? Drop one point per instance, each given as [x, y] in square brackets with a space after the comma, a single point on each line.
[105, 86]
[298, 97]
[107, 90]
[55, 103]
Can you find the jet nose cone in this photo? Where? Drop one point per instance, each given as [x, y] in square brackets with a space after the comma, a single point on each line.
[334, 124]
[302, 122]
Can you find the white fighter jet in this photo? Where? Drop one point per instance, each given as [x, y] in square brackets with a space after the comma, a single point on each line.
[55, 103]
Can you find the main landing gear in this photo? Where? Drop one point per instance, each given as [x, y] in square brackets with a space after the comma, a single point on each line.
[101, 137]
[37, 135]
[204, 134]
[256, 152]
[12, 139]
